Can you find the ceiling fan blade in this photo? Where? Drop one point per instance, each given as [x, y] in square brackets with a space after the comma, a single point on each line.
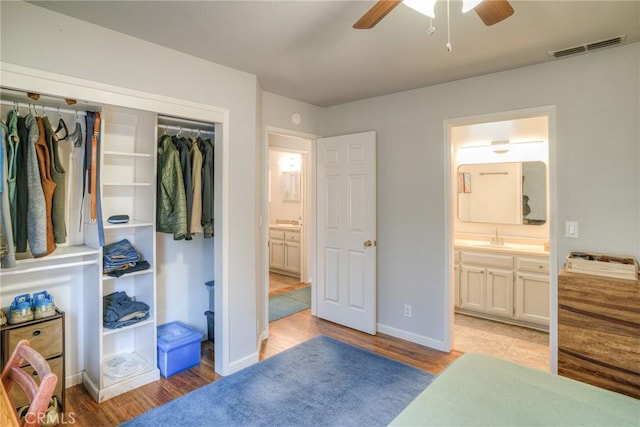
[375, 14]
[493, 11]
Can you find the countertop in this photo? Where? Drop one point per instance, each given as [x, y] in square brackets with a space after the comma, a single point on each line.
[284, 227]
[517, 248]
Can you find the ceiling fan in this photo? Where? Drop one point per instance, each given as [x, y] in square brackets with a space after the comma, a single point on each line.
[490, 11]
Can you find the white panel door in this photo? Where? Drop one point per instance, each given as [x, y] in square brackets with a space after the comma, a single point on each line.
[346, 220]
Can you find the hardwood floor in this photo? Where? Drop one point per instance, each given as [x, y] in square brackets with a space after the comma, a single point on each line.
[283, 334]
[280, 284]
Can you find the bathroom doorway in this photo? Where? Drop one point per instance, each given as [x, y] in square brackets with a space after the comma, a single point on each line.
[289, 188]
[503, 269]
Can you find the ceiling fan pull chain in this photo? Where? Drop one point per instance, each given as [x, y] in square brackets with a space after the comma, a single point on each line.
[431, 29]
[449, 48]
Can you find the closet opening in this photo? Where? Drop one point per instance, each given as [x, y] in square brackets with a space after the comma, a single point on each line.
[185, 248]
[502, 270]
[289, 225]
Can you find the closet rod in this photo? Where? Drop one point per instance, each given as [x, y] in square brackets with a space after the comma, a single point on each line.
[42, 107]
[180, 121]
[183, 129]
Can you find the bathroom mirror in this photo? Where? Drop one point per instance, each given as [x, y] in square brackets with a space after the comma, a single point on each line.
[503, 193]
[291, 186]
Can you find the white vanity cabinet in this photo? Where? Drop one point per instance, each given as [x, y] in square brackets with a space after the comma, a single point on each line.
[503, 285]
[532, 290]
[284, 250]
[486, 283]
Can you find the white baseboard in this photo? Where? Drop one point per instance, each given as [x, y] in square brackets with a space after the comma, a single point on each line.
[242, 363]
[73, 379]
[410, 336]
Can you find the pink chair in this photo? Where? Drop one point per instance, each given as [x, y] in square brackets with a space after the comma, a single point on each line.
[39, 394]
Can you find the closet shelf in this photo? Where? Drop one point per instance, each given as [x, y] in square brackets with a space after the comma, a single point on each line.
[33, 268]
[136, 273]
[147, 368]
[50, 262]
[106, 332]
[130, 224]
[127, 154]
[126, 184]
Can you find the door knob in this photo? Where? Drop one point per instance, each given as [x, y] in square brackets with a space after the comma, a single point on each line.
[368, 243]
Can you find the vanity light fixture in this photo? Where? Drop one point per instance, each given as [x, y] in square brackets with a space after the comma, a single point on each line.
[502, 151]
[292, 162]
[500, 147]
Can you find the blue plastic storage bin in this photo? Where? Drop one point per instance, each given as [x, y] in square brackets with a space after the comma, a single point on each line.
[178, 348]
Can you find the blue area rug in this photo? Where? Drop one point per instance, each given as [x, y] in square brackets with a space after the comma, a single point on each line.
[284, 305]
[321, 382]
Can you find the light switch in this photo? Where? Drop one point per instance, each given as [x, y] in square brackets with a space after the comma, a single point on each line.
[571, 229]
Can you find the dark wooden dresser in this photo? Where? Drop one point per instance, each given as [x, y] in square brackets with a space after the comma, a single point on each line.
[46, 336]
[599, 331]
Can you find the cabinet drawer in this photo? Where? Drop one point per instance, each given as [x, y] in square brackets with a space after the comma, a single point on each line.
[292, 236]
[276, 234]
[19, 398]
[537, 265]
[487, 260]
[45, 337]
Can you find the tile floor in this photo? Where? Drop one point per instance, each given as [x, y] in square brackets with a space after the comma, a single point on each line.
[517, 344]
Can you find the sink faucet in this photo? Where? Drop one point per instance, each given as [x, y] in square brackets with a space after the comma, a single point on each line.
[496, 239]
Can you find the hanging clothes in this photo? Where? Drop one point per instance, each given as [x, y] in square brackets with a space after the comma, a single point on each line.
[91, 173]
[206, 147]
[183, 145]
[48, 185]
[57, 173]
[171, 215]
[22, 187]
[36, 205]
[196, 187]
[13, 142]
[8, 260]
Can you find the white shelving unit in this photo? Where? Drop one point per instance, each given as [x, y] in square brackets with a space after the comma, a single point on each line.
[128, 174]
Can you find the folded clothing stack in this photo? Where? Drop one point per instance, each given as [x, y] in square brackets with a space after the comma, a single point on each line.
[119, 310]
[121, 257]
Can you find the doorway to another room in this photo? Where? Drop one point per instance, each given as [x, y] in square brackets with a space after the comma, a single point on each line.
[289, 282]
[500, 226]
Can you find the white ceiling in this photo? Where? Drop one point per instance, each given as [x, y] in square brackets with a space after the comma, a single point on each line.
[307, 50]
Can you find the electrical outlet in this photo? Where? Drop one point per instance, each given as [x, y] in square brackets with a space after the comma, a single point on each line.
[407, 310]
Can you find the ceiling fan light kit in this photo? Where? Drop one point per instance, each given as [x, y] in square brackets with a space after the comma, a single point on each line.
[490, 11]
[425, 7]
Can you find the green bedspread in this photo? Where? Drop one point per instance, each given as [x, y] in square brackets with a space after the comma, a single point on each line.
[479, 390]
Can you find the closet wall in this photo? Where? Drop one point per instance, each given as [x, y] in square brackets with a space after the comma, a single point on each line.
[184, 266]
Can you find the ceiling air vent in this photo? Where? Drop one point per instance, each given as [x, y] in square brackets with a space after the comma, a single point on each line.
[606, 43]
[587, 47]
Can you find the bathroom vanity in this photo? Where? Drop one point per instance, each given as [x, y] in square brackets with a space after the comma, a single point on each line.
[508, 282]
[284, 249]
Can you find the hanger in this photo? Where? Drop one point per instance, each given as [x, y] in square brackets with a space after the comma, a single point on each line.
[61, 126]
